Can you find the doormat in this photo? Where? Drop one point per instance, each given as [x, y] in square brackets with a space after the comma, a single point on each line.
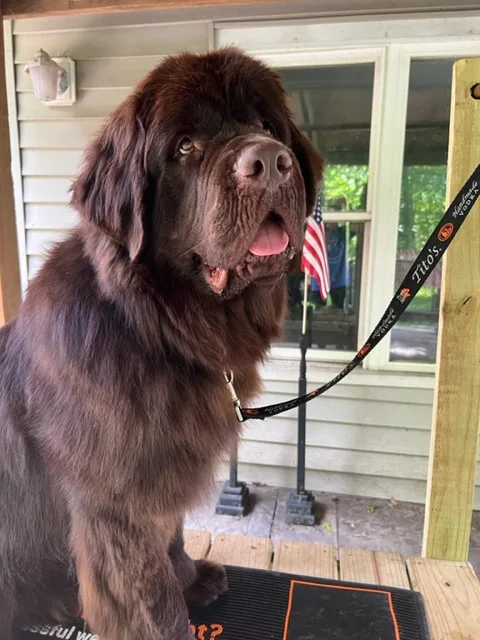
[265, 605]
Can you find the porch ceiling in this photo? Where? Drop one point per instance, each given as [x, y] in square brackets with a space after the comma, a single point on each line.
[231, 8]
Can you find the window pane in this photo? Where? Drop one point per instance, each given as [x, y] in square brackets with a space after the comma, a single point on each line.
[334, 323]
[333, 107]
[345, 188]
[422, 202]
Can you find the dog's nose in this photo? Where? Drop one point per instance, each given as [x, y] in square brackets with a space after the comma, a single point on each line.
[266, 163]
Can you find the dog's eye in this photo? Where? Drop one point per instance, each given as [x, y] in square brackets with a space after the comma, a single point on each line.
[186, 146]
[268, 127]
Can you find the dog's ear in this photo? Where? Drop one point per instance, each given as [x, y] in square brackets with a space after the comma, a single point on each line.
[311, 164]
[111, 189]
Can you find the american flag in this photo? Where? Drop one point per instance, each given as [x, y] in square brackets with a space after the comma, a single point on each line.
[314, 255]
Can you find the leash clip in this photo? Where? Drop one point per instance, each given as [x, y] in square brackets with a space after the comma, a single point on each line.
[236, 402]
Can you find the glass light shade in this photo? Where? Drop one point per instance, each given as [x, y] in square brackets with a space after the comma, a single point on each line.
[48, 78]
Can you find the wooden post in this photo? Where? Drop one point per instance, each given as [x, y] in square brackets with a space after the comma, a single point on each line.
[456, 417]
[10, 291]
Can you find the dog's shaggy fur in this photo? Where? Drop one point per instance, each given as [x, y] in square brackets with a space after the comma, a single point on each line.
[113, 404]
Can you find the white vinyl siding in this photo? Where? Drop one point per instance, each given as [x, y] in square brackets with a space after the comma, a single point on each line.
[367, 436]
[109, 62]
[363, 437]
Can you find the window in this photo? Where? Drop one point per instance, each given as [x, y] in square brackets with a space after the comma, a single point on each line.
[333, 107]
[374, 98]
[334, 322]
[422, 202]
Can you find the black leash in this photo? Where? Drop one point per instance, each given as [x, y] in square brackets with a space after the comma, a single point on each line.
[428, 258]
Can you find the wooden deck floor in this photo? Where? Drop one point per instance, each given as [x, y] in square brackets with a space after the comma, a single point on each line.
[450, 589]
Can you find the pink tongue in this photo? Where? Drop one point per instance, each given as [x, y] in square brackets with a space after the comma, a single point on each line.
[270, 239]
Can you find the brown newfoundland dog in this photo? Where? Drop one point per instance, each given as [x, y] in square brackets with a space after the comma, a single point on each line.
[113, 403]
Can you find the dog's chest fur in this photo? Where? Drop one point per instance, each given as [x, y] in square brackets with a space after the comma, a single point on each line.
[148, 422]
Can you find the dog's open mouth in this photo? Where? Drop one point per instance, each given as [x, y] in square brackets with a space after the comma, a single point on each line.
[271, 239]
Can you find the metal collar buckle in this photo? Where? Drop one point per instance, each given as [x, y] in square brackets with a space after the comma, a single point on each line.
[236, 402]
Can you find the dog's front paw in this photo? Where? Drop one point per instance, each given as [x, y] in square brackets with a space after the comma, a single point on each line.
[211, 582]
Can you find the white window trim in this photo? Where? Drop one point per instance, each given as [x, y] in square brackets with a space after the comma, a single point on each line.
[321, 372]
[16, 167]
[391, 43]
[346, 216]
[395, 108]
[313, 355]
[305, 35]
[386, 199]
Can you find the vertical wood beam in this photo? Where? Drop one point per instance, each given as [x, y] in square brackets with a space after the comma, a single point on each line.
[456, 416]
[10, 289]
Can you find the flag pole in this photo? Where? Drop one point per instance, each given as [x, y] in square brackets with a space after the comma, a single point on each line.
[305, 303]
[302, 390]
[301, 503]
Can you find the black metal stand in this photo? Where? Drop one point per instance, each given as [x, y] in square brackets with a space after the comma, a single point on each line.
[234, 499]
[300, 502]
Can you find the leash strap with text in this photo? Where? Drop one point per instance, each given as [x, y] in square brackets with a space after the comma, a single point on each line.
[428, 258]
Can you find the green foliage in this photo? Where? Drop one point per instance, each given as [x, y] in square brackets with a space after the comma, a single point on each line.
[422, 199]
[345, 187]
[426, 299]
[422, 204]
[327, 526]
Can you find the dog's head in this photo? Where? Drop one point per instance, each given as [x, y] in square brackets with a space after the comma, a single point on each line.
[202, 167]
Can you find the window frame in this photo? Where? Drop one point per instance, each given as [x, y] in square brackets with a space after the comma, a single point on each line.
[462, 48]
[342, 57]
[391, 44]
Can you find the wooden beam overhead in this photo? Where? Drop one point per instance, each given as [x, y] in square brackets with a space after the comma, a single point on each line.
[40, 8]
[37, 8]
[9, 267]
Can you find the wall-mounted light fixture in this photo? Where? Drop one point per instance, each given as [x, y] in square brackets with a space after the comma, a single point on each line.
[53, 79]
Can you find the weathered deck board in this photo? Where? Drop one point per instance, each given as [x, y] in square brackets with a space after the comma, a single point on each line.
[373, 567]
[242, 551]
[392, 571]
[302, 558]
[451, 593]
[357, 565]
[197, 543]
